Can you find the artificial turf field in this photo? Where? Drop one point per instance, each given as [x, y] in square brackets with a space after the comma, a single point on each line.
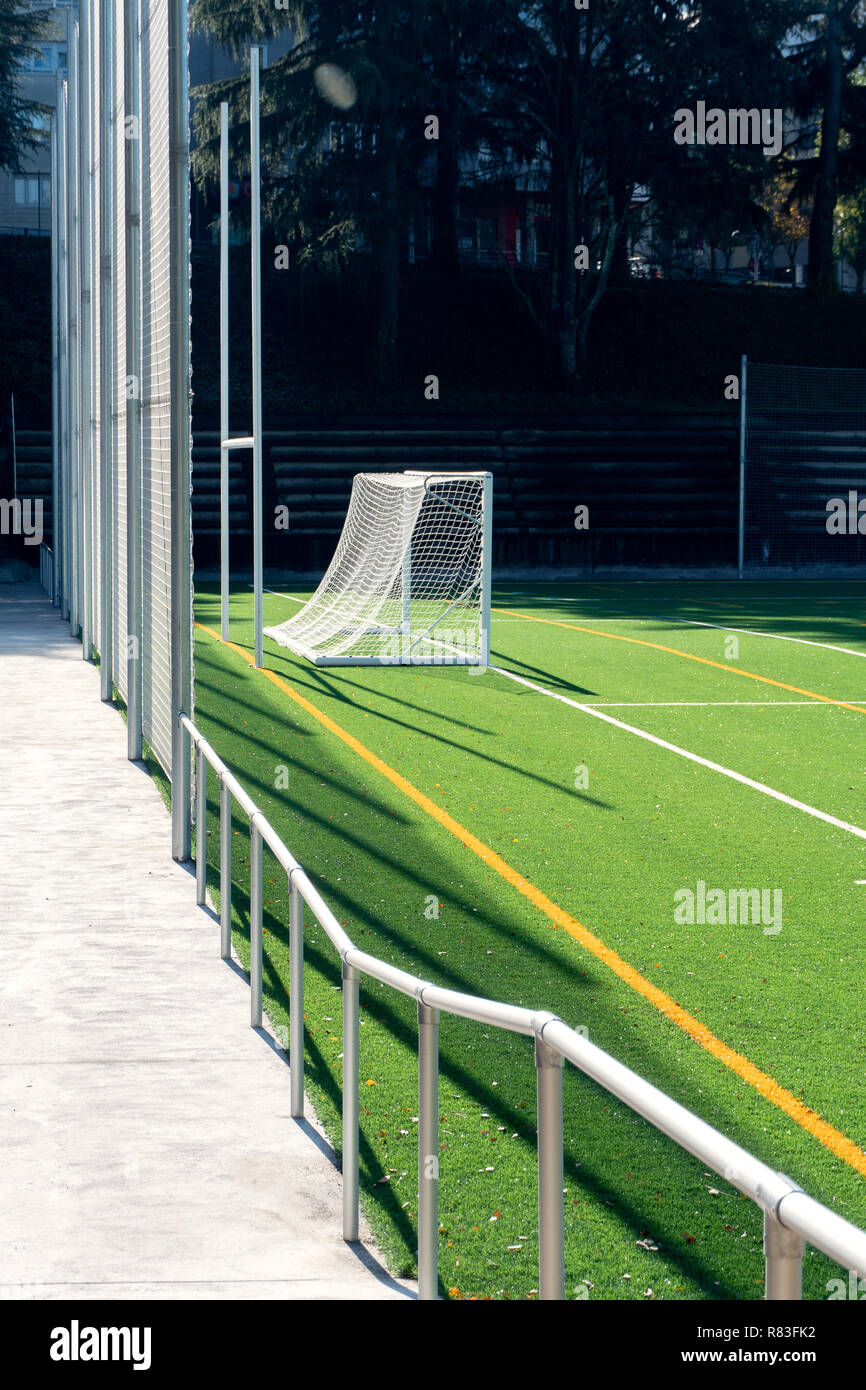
[756, 1027]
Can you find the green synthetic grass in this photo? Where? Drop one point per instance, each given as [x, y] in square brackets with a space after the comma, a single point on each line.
[503, 761]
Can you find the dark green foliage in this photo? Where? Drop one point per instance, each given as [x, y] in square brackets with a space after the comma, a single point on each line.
[20, 27]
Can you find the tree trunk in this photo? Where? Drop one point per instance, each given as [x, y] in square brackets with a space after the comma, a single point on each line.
[821, 265]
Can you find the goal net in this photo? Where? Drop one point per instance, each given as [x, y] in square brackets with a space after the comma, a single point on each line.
[409, 583]
[803, 468]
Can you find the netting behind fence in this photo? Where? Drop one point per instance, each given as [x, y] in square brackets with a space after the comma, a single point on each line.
[118, 414]
[805, 467]
[103, 299]
[155, 383]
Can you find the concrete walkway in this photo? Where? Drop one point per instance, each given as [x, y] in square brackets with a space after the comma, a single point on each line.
[146, 1147]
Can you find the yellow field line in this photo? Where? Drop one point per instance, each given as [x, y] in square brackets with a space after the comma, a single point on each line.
[832, 1139]
[675, 651]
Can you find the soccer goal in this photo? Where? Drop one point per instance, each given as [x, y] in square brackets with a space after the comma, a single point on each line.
[802, 468]
[409, 583]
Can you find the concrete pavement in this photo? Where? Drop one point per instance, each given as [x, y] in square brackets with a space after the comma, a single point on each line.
[146, 1147]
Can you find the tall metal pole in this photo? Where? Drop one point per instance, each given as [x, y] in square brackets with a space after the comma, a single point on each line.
[256, 290]
[224, 368]
[72, 501]
[744, 369]
[55, 348]
[86, 308]
[181, 467]
[132, 195]
[61, 523]
[106, 343]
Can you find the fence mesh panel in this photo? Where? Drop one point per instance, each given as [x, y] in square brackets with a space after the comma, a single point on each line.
[96, 375]
[805, 459]
[155, 384]
[118, 260]
[95, 335]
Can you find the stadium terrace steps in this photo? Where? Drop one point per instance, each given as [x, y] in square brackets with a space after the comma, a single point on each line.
[656, 485]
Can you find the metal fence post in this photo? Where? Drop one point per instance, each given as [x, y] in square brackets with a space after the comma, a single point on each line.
[428, 1152]
[351, 1104]
[56, 464]
[783, 1255]
[255, 926]
[224, 369]
[72, 500]
[181, 455]
[132, 221]
[741, 525]
[85, 416]
[60, 519]
[551, 1235]
[201, 829]
[106, 341]
[225, 872]
[256, 291]
[296, 1000]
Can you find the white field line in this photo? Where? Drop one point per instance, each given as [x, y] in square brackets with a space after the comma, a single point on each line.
[720, 704]
[669, 704]
[755, 632]
[692, 757]
[720, 627]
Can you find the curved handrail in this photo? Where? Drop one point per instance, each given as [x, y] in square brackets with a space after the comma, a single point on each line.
[791, 1217]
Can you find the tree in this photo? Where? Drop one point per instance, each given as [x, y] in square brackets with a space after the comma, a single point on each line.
[850, 238]
[601, 86]
[345, 114]
[829, 51]
[788, 219]
[20, 28]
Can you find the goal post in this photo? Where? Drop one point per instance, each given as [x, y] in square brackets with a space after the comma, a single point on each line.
[409, 584]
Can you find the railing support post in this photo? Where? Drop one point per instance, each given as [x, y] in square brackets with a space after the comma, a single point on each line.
[428, 1152]
[296, 1000]
[551, 1226]
[201, 829]
[783, 1256]
[255, 926]
[225, 872]
[351, 1082]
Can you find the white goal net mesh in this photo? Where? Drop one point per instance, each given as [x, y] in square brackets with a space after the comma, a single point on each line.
[408, 582]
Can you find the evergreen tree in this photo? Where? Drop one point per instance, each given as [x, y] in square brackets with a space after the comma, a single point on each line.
[20, 28]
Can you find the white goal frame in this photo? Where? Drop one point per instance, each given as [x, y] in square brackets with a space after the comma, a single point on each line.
[409, 654]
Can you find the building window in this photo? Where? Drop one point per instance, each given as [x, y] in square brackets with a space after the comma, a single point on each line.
[48, 57]
[32, 191]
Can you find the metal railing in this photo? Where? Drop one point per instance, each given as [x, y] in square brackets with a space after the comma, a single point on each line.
[791, 1218]
[46, 569]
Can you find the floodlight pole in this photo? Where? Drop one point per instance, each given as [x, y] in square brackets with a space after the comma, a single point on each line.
[224, 368]
[256, 290]
[744, 366]
[132, 217]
